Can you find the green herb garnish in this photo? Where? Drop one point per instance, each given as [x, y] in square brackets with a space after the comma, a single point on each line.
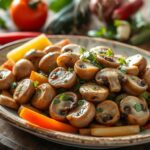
[64, 97]
[14, 85]
[56, 101]
[35, 83]
[109, 52]
[146, 96]
[80, 102]
[70, 69]
[39, 91]
[82, 50]
[138, 107]
[122, 61]
[99, 110]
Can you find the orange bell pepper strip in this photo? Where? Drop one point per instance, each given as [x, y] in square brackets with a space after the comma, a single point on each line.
[63, 43]
[35, 76]
[45, 122]
[8, 65]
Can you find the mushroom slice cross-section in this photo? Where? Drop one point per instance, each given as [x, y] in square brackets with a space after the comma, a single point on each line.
[62, 104]
[111, 77]
[82, 115]
[134, 85]
[61, 78]
[85, 70]
[135, 110]
[6, 79]
[43, 96]
[107, 113]
[93, 92]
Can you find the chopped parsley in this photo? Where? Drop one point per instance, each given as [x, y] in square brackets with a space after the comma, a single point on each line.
[39, 91]
[79, 83]
[146, 96]
[122, 61]
[138, 107]
[70, 69]
[14, 85]
[56, 101]
[82, 50]
[64, 97]
[109, 52]
[35, 83]
[80, 102]
[99, 110]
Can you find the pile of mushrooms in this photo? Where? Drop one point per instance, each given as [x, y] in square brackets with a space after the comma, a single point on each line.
[79, 85]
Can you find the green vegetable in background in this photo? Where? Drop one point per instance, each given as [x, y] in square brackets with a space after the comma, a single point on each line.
[4, 4]
[3, 24]
[57, 5]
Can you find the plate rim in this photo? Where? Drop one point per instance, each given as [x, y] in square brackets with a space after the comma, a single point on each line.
[82, 141]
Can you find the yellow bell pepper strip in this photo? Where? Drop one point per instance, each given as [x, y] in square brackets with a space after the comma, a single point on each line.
[45, 122]
[38, 43]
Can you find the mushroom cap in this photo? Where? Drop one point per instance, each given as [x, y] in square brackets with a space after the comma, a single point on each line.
[22, 69]
[85, 70]
[137, 60]
[107, 112]
[61, 78]
[62, 104]
[43, 96]
[111, 77]
[82, 115]
[48, 62]
[135, 109]
[93, 92]
[24, 91]
[134, 85]
[6, 79]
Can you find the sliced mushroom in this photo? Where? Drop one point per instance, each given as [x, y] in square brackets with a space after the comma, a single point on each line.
[85, 70]
[73, 48]
[134, 85]
[146, 76]
[24, 91]
[82, 115]
[137, 60]
[111, 77]
[62, 104]
[107, 113]
[120, 97]
[135, 110]
[93, 92]
[43, 96]
[34, 56]
[61, 78]
[48, 62]
[52, 48]
[67, 60]
[6, 79]
[22, 69]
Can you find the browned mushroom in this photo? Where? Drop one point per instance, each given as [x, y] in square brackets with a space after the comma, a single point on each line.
[137, 60]
[135, 110]
[62, 104]
[52, 48]
[34, 56]
[22, 69]
[48, 62]
[93, 92]
[7, 100]
[111, 77]
[67, 60]
[107, 113]
[6, 79]
[85, 70]
[61, 78]
[82, 115]
[43, 96]
[134, 85]
[24, 91]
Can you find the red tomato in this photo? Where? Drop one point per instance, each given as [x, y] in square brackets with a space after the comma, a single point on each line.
[29, 15]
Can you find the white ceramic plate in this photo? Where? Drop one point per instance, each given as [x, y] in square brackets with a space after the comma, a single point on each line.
[72, 139]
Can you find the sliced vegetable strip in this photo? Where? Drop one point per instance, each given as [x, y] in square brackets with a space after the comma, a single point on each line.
[45, 122]
[8, 65]
[38, 77]
[63, 43]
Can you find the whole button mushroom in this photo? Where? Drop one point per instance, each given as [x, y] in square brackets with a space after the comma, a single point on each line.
[22, 69]
[62, 104]
[107, 113]
[48, 62]
[134, 85]
[6, 79]
[85, 70]
[137, 60]
[111, 77]
[82, 115]
[135, 110]
[146, 76]
[43, 96]
[93, 92]
[34, 56]
[24, 91]
[52, 48]
[67, 60]
[61, 78]
[7, 100]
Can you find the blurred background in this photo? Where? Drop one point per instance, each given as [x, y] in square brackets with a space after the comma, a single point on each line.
[122, 20]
